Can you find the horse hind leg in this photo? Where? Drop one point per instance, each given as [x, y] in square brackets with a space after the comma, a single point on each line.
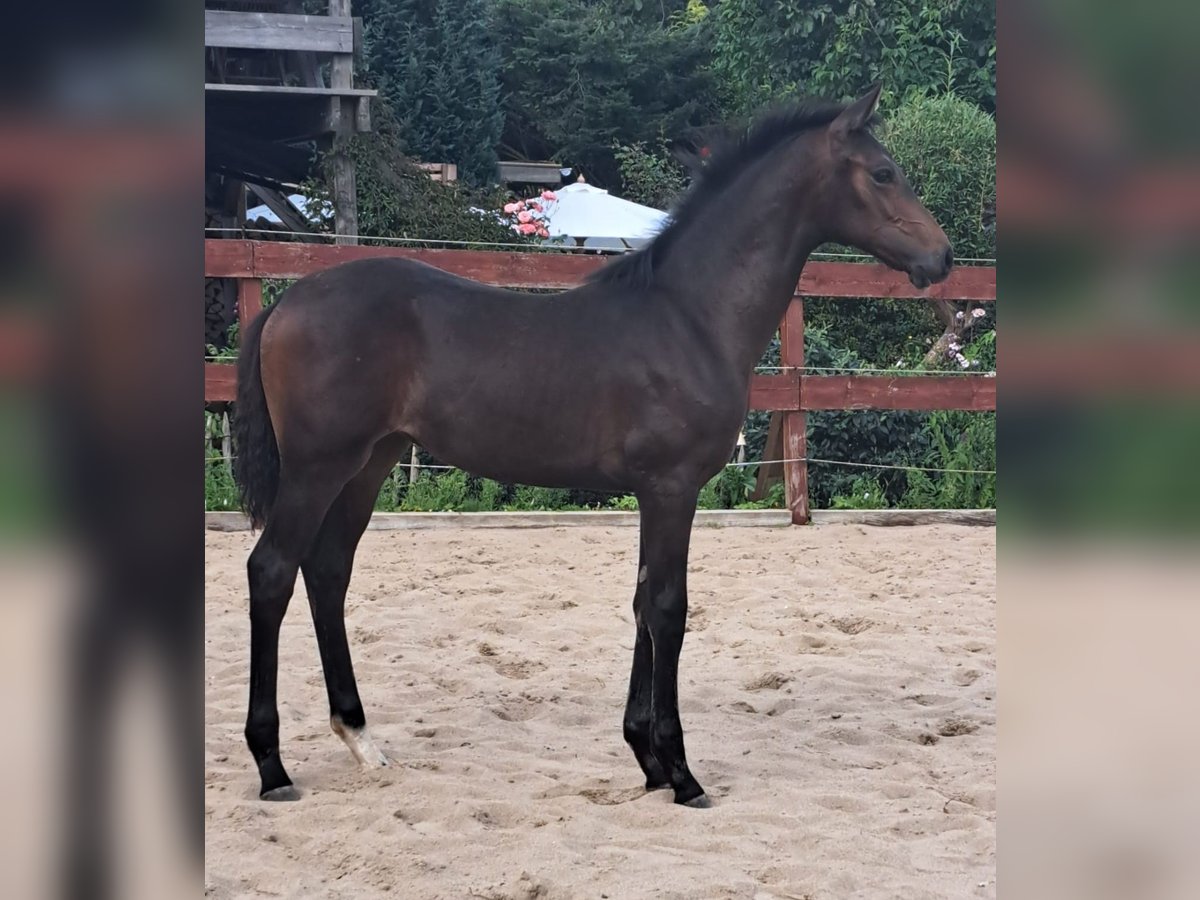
[304, 497]
[327, 569]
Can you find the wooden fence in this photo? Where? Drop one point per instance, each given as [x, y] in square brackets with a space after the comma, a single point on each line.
[791, 393]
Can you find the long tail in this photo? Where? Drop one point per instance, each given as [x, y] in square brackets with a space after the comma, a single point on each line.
[256, 455]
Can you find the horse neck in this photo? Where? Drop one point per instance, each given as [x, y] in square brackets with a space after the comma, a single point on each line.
[735, 266]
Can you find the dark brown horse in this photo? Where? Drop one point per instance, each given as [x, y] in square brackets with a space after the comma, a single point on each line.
[636, 381]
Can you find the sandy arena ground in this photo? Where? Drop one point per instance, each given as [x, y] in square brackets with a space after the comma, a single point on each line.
[837, 693]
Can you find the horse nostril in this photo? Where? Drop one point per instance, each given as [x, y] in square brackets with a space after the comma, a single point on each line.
[949, 258]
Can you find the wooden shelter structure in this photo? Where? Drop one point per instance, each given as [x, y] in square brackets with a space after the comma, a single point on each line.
[278, 91]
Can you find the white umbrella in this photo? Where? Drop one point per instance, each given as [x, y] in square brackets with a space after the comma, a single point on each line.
[310, 209]
[600, 220]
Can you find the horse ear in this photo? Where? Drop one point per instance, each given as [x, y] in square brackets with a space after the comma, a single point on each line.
[858, 114]
[688, 154]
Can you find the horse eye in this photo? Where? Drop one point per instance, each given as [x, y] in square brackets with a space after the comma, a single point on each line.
[883, 176]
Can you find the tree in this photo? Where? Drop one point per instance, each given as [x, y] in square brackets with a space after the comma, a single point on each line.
[579, 76]
[437, 66]
[766, 51]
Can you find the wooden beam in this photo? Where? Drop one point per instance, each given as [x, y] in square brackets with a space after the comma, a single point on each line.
[775, 391]
[341, 67]
[289, 90]
[441, 172]
[344, 182]
[889, 517]
[278, 31]
[530, 172]
[279, 204]
[922, 392]
[344, 186]
[562, 271]
[275, 259]
[228, 258]
[770, 472]
[220, 383]
[838, 279]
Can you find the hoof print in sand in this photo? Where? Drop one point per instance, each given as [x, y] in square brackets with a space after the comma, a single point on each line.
[771, 681]
[955, 727]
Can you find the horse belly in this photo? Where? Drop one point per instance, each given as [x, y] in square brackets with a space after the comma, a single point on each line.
[527, 437]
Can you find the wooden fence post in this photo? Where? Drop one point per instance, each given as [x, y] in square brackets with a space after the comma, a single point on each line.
[227, 443]
[250, 302]
[795, 443]
[343, 111]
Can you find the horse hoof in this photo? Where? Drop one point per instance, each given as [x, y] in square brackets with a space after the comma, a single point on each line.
[359, 741]
[700, 802]
[373, 758]
[286, 793]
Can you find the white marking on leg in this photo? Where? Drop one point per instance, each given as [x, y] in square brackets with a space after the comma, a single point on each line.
[360, 744]
[641, 574]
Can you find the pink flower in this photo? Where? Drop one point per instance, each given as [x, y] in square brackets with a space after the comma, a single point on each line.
[511, 208]
[549, 195]
[535, 206]
[543, 233]
[524, 216]
[978, 313]
[527, 228]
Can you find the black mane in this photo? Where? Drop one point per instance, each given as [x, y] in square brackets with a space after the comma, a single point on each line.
[728, 159]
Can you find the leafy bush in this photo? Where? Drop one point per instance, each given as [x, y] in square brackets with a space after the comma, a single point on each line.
[865, 492]
[960, 441]
[733, 486]
[709, 498]
[490, 494]
[436, 493]
[648, 174]
[884, 334]
[776, 498]
[947, 148]
[529, 497]
[398, 199]
[220, 491]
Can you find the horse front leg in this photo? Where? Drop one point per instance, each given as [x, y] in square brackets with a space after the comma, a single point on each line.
[638, 718]
[666, 532]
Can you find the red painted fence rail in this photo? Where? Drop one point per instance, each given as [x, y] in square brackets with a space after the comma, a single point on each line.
[791, 393]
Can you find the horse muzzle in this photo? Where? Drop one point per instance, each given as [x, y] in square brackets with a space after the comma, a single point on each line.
[936, 267]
